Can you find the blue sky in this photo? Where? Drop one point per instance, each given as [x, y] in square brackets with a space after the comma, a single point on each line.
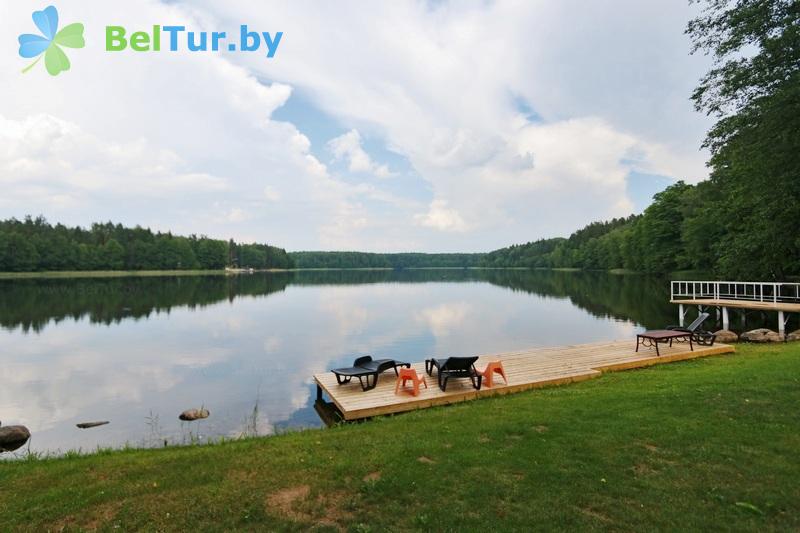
[392, 126]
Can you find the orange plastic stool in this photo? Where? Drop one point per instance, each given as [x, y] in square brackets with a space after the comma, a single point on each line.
[495, 367]
[409, 374]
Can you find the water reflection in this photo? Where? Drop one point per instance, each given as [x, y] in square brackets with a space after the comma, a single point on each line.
[138, 351]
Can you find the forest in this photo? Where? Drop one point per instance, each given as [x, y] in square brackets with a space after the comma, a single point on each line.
[33, 244]
[386, 260]
[744, 221]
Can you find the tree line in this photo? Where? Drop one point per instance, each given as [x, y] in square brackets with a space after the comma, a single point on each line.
[384, 260]
[33, 244]
[662, 239]
[744, 222]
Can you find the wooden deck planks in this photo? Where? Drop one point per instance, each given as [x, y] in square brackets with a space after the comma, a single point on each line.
[526, 369]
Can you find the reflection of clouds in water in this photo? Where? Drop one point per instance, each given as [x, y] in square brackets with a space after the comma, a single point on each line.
[228, 356]
[236, 323]
[64, 372]
[255, 423]
[444, 318]
[349, 314]
[625, 329]
[198, 359]
[272, 344]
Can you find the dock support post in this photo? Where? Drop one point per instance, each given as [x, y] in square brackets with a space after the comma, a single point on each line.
[781, 323]
[681, 313]
[744, 319]
[319, 392]
[725, 320]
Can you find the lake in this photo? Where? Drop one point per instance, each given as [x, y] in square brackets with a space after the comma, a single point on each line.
[137, 351]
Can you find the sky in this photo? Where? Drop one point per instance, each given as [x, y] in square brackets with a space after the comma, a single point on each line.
[376, 126]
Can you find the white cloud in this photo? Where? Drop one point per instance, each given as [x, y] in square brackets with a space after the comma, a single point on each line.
[237, 214]
[177, 141]
[43, 153]
[271, 194]
[348, 147]
[440, 217]
[440, 83]
[189, 141]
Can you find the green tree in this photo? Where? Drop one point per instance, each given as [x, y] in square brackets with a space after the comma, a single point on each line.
[754, 91]
[112, 255]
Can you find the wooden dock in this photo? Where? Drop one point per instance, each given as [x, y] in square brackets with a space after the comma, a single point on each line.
[528, 369]
[789, 307]
[764, 296]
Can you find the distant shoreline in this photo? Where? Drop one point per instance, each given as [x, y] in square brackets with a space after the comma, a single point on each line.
[77, 274]
[155, 273]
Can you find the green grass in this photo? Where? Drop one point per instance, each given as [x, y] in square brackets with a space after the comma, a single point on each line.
[709, 444]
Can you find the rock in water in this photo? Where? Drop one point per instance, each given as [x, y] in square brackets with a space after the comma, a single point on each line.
[726, 336]
[13, 437]
[194, 414]
[762, 335]
[87, 425]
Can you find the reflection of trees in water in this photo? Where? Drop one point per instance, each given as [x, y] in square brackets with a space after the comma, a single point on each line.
[642, 299]
[31, 304]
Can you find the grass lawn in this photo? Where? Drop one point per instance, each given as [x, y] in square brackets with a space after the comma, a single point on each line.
[708, 444]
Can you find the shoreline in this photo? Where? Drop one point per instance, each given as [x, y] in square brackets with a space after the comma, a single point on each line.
[75, 274]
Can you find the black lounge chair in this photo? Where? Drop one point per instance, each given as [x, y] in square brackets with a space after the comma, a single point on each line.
[699, 336]
[366, 369]
[454, 367]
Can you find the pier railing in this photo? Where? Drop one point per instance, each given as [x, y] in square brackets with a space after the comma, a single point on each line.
[750, 291]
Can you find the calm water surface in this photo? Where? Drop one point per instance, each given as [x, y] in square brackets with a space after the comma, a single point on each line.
[138, 351]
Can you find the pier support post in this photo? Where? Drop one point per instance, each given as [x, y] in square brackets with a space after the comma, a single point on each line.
[781, 323]
[681, 312]
[725, 321]
[319, 392]
[744, 319]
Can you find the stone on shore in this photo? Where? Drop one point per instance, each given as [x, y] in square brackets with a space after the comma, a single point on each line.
[793, 336]
[726, 336]
[13, 437]
[194, 414]
[762, 335]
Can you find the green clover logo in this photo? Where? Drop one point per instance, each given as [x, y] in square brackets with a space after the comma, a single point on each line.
[51, 41]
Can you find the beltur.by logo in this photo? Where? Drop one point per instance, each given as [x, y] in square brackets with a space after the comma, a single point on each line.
[50, 41]
[195, 41]
[49, 44]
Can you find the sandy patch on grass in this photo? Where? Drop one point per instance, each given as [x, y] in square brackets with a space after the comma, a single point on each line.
[643, 469]
[296, 504]
[92, 519]
[284, 501]
[372, 477]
